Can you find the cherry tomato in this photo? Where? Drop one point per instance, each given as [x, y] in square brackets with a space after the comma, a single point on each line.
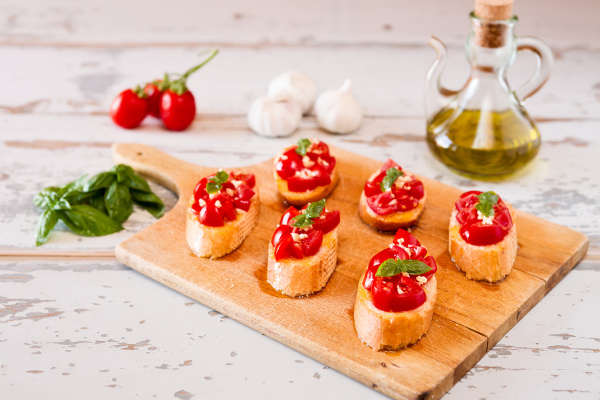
[398, 293]
[467, 200]
[129, 108]
[327, 222]
[287, 216]
[389, 163]
[248, 179]
[283, 247]
[154, 94]
[302, 184]
[243, 192]
[280, 232]
[209, 215]
[416, 189]
[311, 244]
[226, 209]
[200, 189]
[407, 238]
[287, 165]
[372, 189]
[177, 110]
[479, 234]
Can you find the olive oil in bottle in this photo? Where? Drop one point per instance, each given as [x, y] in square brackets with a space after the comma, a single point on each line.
[483, 144]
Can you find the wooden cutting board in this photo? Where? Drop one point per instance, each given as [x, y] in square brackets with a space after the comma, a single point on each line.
[470, 317]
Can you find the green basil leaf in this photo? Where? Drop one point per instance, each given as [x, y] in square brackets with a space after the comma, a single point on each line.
[149, 202]
[121, 171]
[98, 202]
[44, 226]
[487, 201]
[220, 177]
[102, 180]
[77, 184]
[312, 211]
[302, 146]
[391, 175]
[88, 221]
[391, 267]
[134, 181]
[46, 198]
[212, 187]
[118, 202]
[61, 204]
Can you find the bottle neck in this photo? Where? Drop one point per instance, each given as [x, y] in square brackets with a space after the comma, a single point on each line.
[491, 45]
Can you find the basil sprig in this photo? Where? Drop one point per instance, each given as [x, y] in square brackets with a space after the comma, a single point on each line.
[392, 267]
[390, 178]
[487, 201]
[215, 183]
[311, 212]
[302, 146]
[96, 206]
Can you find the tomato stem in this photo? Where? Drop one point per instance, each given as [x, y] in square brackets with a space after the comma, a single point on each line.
[179, 86]
[139, 92]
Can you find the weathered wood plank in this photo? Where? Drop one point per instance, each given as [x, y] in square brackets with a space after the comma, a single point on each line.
[387, 81]
[309, 22]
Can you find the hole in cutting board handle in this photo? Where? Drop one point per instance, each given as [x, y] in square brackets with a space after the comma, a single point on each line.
[139, 153]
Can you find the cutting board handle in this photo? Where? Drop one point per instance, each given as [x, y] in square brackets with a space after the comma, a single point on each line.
[170, 172]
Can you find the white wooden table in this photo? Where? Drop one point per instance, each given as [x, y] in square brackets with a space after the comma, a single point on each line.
[74, 323]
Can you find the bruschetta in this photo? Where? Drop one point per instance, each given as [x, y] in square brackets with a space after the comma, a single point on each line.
[483, 236]
[221, 213]
[303, 250]
[396, 295]
[392, 199]
[306, 172]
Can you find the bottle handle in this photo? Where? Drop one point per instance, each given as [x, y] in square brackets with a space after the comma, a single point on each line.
[544, 65]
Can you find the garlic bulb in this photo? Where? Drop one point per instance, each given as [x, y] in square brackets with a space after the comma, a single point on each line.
[299, 86]
[338, 111]
[274, 116]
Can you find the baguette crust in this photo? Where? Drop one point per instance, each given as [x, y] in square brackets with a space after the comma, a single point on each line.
[484, 263]
[383, 330]
[303, 198]
[294, 277]
[214, 242]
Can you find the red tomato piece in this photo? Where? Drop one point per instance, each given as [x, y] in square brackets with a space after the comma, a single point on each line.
[287, 165]
[416, 189]
[177, 111]
[389, 163]
[243, 205]
[129, 108]
[226, 209]
[407, 237]
[200, 189]
[372, 188]
[311, 244]
[286, 218]
[302, 184]
[280, 232]
[248, 179]
[479, 234]
[318, 148]
[209, 215]
[244, 192]
[283, 249]
[380, 203]
[327, 222]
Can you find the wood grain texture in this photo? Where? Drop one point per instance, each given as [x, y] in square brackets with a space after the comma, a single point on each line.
[469, 318]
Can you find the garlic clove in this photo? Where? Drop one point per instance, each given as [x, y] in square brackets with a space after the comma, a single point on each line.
[274, 116]
[338, 111]
[299, 86]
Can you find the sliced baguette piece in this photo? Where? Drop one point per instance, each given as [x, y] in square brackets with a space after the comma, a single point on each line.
[303, 198]
[390, 222]
[484, 263]
[294, 277]
[383, 330]
[214, 242]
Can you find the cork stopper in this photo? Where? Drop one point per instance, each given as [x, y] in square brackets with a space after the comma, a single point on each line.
[494, 9]
[492, 31]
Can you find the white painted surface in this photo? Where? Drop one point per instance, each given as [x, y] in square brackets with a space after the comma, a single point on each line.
[64, 61]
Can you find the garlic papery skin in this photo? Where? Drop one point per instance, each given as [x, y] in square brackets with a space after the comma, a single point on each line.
[297, 85]
[338, 111]
[274, 116]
